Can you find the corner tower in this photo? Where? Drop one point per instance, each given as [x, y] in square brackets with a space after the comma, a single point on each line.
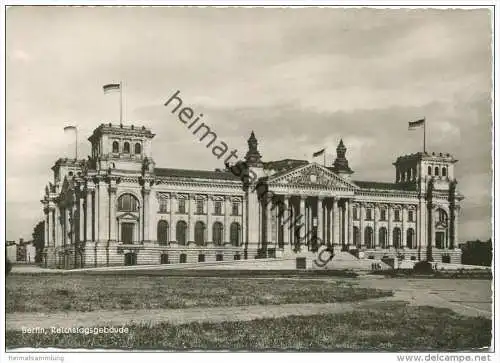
[120, 147]
[421, 167]
[341, 164]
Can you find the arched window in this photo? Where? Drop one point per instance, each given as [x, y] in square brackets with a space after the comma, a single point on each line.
[429, 170]
[444, 171]
[180, 232]
[355, 213]
[436, 171]
[182, 258]
[137, 148]
[199, 233]
[164, 258]
[128, 203]
[217, 230]
[162, 232]
[382, 237]
[396, 237]
[369, 237]
[410, 237]
[355, 234]
[235, 233]
[116, 147]
[126, 148]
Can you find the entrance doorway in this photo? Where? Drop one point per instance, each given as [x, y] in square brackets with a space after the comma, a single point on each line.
[440, 241]
[130, 259]
[127, 233]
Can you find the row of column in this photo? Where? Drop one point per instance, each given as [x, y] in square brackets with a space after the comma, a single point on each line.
[325, 219]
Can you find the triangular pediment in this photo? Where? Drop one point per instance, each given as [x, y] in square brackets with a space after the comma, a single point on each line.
[311, 175]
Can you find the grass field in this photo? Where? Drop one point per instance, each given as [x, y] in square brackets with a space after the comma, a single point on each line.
[388, 326]
[45, 293]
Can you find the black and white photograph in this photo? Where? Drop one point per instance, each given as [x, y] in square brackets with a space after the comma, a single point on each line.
[221, 178]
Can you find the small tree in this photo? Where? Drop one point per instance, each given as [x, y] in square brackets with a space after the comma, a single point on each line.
[39, 240]
[8, 266]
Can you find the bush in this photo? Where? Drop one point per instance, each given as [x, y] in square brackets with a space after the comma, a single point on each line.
[423, 267]
[8, 267]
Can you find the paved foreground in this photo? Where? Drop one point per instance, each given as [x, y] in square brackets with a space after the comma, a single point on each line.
[467, 297]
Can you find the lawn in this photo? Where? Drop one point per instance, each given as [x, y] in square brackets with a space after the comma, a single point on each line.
[49, 293]
[390, 326]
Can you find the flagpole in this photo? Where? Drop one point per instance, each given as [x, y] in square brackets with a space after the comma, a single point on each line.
[424, 134]
[76, 143]
[121, 103]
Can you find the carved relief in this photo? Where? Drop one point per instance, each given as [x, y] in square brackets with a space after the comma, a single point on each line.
[313, 175]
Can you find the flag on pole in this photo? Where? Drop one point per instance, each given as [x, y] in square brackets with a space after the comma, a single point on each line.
[412, 125]
[70, 128]
[318, 153]
[111, 87]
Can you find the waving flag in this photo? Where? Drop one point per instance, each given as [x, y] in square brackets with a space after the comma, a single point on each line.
[416, 124]
[111, 87]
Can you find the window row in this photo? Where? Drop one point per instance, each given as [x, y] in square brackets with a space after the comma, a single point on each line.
[129, 203]
[165, 259]
[125, 149]
[201, 207]
[444, 171]
[369, 214]
[397, 241]
[163, 233]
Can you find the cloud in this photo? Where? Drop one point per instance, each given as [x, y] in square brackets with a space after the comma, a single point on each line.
[300, 78]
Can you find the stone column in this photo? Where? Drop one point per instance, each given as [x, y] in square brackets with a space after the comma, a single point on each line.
[103, 206]
[302, 233]
[172, 229]
[57, 226]
[146, 192]
[190, 224]
[47, 227]
[209, 220]
[320, 220]
[335, 222]
[455, 228]
[362, 213]
[286, 221]
[349, 222]
[227, 211]
[88, 213]
[112, 211]
[403, 232]
[81, 217]
[389, 226]
[269, 222]
[52, 226]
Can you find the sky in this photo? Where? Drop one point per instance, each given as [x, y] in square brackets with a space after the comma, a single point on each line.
[300, 78]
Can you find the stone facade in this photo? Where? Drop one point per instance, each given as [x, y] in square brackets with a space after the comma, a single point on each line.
[118, 208]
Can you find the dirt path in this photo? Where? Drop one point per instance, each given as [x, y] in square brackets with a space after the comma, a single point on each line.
[18, 321]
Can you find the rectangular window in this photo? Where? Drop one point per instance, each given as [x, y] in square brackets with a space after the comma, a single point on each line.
[368, 214]
[396, 215]
[163, 205]
[199, 206]
[182, 206]
[383, 215]
[218, 207]
[410, 216]
[355, 213]
[235, 209]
